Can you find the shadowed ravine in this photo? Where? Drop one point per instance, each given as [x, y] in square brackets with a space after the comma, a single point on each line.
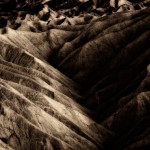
[74, 75]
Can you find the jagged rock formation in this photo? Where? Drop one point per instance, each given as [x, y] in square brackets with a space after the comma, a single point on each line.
[79, 82]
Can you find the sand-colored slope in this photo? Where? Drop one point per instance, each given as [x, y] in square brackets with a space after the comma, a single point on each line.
[38, 103]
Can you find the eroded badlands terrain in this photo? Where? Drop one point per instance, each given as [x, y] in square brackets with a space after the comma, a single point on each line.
[74, 75]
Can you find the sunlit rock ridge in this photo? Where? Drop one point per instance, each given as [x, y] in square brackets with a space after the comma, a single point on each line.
[74, 75]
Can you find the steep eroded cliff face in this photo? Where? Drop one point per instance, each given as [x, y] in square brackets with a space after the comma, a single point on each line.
[72, 79]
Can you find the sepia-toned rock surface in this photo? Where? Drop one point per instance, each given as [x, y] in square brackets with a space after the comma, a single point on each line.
[74, 75]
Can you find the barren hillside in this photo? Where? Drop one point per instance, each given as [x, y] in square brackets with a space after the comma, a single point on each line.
[74, 75]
